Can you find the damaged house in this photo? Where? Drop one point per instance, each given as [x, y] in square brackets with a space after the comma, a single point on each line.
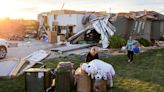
[75, 26]
[142, 24]
[59, 25]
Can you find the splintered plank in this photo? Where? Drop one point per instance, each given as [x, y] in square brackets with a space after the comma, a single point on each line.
[18, 67]
[33, 59]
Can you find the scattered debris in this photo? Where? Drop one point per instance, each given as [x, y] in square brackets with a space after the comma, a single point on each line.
[15, 68]
[33, 59]
[13, 44]
[63, 24]
[71, 47]
[79, 33]
[18, 67]
[16, 38]
[102, 26]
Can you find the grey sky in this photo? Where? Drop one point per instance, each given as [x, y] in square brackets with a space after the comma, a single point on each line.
[30, 8]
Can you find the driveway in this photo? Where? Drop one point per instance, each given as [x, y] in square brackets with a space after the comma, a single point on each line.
[27, 47]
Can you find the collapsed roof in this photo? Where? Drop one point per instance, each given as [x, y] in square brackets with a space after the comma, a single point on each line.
[139, 14]
[102, 26]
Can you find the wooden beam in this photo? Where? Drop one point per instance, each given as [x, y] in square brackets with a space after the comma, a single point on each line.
[18, 67]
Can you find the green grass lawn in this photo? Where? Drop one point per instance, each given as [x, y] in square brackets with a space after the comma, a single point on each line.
[145, 74]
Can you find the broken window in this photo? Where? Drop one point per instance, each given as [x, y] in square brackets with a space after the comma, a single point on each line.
[66, 30]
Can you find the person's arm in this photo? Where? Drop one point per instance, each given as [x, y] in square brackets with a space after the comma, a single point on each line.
[127, 43]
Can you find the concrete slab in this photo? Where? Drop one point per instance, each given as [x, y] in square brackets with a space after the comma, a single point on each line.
[6, 67]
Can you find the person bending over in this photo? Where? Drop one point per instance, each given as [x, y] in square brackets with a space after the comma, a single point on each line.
[93, 54]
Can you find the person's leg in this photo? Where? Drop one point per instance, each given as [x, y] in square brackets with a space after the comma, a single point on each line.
[132, 55]
[129, 56]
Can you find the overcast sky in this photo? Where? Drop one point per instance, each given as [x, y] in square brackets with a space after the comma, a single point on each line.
[29, 9]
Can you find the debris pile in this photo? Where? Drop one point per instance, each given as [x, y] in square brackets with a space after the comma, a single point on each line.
[13, 68]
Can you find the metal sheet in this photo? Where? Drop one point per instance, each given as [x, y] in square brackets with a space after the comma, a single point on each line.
[105, 29]
[71, 47]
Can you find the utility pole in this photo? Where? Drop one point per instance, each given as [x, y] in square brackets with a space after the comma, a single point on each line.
[110, 12]
[62, 6]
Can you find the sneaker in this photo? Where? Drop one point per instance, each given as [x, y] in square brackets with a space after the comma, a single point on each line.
[129, 61]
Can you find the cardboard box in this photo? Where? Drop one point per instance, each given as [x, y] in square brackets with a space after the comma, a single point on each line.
[52, 36]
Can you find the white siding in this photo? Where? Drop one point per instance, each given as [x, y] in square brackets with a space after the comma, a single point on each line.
[71, 19]
[67, 19]
[50, 21]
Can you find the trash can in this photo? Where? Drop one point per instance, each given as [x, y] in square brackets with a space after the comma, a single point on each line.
[83, 81]
[37, 80]
[64, 77]
[99, 85]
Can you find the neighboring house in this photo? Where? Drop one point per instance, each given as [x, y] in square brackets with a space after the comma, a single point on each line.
[158, 27]
[65, 22]
[123, 26]
[145, 24]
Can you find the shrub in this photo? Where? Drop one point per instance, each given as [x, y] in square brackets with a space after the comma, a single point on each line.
[161, 38]
[144, 42]
[117, 41]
